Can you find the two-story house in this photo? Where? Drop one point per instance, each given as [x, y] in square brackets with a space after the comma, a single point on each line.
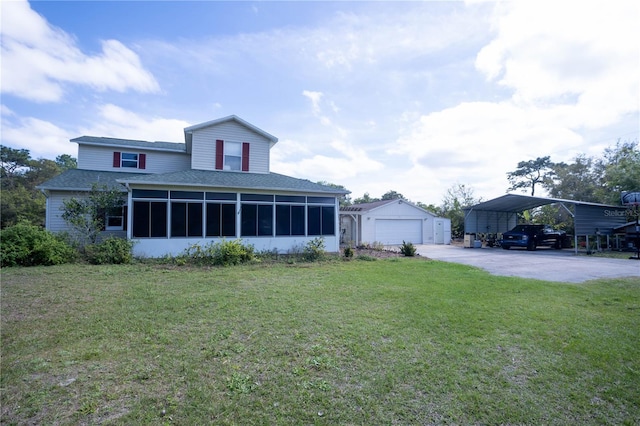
[217, 184]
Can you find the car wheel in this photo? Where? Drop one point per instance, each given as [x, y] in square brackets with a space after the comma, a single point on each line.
[506, 247]
[557, 245]
[531, 245]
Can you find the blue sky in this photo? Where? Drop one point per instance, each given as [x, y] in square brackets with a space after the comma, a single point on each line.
[414, 97]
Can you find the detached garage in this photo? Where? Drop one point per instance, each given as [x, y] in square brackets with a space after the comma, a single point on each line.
[391, 222]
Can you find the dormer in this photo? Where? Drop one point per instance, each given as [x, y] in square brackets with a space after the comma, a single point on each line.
[229, 144]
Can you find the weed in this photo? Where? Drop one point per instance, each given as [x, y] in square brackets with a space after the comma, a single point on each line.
[240, 383]
[376, 245]
[366, 258]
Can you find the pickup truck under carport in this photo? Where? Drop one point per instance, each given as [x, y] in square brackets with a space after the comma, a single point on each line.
[532, 236]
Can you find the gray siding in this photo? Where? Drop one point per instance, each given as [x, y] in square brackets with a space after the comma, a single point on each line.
[92, 157]
[488, 221]
[203, 150]
[591, 220]
[55, 223]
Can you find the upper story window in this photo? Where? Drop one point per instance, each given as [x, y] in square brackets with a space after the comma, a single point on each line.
[131, 160]
[232, 156]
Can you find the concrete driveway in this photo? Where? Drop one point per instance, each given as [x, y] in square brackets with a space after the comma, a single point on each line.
[544, 264]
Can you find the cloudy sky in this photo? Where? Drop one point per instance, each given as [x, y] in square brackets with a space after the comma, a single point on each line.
[414, 97]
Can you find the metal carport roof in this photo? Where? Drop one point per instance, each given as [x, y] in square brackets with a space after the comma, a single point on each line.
[515, 203]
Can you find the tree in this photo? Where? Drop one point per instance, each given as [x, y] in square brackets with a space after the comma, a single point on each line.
[530, 173]
[456, 198]
[86, 215]
[21, 200]
[392, 195]
[66, 162]
[430, 208]
[365, 199]
[345, 200]
[39, 171]
[575, 181]
[620, 171]
[14, 163]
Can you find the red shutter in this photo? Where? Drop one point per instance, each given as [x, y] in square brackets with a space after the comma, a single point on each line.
[245, 156]
[116, 159]
[219, 154]
[142, 161]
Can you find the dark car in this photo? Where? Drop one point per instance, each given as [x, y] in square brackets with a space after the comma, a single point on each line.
[532, 236]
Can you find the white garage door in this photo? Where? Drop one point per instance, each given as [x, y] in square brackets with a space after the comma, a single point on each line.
[395, 231]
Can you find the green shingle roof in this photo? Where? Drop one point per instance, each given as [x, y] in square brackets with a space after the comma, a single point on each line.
[82, 180]
[238, 180]
[163, 146]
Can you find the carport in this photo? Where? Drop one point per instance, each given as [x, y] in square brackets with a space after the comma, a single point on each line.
[501, 214]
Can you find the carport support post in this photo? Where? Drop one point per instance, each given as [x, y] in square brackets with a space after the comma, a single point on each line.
[575, 236]
[636, 213]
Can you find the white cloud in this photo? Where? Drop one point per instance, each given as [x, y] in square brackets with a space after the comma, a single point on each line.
[571, 68]
[563, 52]
[114, 121]
[47, 140]
[40, 60]
[315, 98]
[43, 139]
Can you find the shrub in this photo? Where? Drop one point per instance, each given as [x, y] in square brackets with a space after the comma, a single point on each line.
[314, 250]
[223, 253]
[233, 252]
[29, 245]
[110, 251]
[348, 252]
[407, 249]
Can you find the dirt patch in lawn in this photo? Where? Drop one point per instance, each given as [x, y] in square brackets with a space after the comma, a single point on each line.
[379, 253]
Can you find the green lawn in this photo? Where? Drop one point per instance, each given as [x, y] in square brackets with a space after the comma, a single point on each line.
[394, 341]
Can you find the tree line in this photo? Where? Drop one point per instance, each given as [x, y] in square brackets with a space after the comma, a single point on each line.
[591, 179]
[19, 177]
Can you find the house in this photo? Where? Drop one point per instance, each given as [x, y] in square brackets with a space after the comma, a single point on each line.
[392, 222]
[216, 184]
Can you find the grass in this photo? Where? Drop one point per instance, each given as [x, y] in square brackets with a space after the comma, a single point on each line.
[612, 254]
[394, 341]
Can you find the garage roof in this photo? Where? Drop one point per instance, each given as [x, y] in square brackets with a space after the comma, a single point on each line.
[365, 207]
[514, 203]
